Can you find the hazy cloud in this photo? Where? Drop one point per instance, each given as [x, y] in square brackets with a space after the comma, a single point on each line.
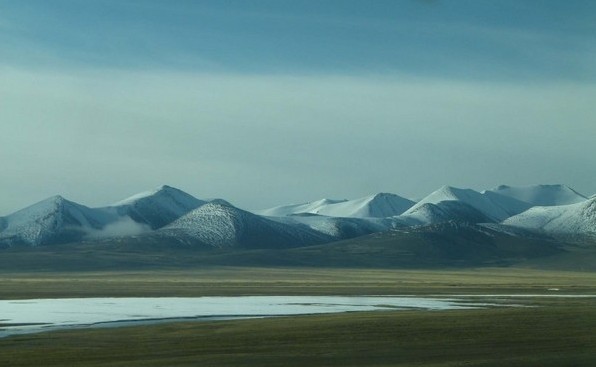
[262, 140]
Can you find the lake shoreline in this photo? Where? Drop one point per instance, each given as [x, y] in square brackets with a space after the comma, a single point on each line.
[43, 315]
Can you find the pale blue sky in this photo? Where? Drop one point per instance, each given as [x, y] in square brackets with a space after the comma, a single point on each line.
[458, 38]
[271, 102]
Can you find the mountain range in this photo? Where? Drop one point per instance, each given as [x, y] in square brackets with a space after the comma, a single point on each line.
[171, 217]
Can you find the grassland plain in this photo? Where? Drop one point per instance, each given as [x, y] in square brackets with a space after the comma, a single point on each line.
[556, 332]
[226, 281]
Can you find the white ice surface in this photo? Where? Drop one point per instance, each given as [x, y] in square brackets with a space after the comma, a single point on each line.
[78, 312]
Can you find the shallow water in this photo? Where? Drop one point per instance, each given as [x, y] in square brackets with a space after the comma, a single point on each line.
[36, 315]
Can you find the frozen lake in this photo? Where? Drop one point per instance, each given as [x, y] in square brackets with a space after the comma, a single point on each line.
[36, 315]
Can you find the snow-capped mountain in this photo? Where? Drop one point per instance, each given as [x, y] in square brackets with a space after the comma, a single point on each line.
[166, 215]
[158, 207]
[541, 195]
[378, 206]
[579, 218]
[57, 220]
[285, 210]
[493, 206]
[381, 205]
[444, 211]
[53, 220]
[219, 224]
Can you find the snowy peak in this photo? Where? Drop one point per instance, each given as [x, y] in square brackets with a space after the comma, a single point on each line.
[57, 220]
[53, 200]
[49, 205]
[542, 195]
[222, 225]
[579, 218]
[378, 206]
[375, 206]
[161, 192]
[58, 208]
[492, 206]
[216, 224]
[309, 207]
[158, 207]
[449, 193]
[52, 220]
[444, 211]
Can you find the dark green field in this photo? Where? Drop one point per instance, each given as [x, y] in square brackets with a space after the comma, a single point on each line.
[553, 332]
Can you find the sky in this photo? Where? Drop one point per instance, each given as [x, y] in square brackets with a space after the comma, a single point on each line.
[265, 103]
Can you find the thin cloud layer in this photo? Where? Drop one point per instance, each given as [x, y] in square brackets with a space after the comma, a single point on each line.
[505, 40]
[96, 136]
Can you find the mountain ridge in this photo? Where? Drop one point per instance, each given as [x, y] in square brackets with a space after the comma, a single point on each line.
[159, 207]
[578, 218]
[167, 211]
[378, 206]
[542, 195]
[495, 207]
[48, 220]
[222, 225]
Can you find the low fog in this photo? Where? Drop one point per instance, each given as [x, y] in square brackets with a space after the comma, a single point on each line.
[123, 227]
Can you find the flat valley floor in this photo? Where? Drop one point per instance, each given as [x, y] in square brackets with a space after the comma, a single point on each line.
[546, 331]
